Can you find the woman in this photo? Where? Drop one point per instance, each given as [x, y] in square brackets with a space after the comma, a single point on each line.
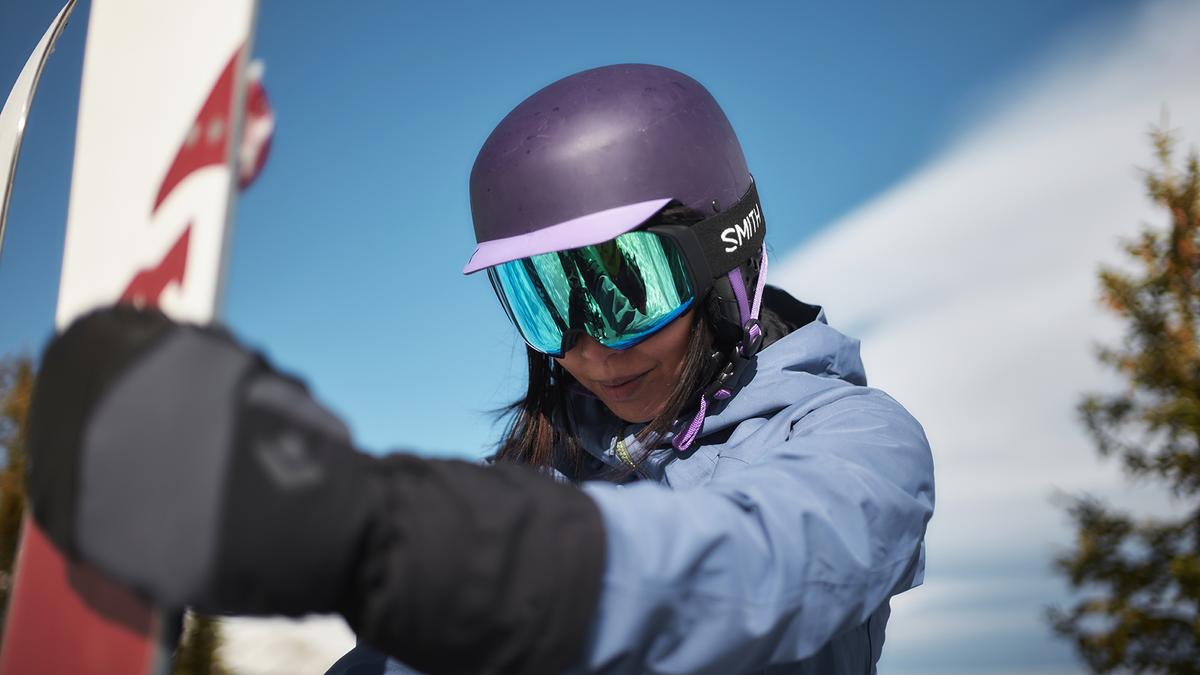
[747, 502]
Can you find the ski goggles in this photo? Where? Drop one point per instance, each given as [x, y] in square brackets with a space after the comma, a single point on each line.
[618, 292]
[621, 291]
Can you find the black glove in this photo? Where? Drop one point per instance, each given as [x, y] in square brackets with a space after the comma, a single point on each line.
[185, 466]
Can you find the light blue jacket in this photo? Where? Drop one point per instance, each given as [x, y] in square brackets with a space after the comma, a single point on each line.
[776, 544]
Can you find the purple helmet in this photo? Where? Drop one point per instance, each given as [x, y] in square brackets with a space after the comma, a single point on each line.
[596, 154]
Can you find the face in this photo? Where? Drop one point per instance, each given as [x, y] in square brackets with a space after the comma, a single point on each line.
[634, 383]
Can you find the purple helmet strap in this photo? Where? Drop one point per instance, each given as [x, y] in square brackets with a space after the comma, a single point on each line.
[684, 441]
[739, 291]
[755, 331]
[748, 313]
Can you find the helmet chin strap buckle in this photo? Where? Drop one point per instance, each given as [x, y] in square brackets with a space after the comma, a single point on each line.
[721, 389]
[752, 338]
[723, 385]
[732, 368]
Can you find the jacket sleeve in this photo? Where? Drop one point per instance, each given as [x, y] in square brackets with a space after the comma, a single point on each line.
[766, 564]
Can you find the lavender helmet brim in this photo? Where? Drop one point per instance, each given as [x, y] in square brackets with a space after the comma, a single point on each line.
[593, 228]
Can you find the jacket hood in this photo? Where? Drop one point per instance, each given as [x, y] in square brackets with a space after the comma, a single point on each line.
[803, 358]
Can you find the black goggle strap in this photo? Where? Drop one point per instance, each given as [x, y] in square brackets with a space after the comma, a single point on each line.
[734, 235]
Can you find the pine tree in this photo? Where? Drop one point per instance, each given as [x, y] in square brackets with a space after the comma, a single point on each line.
[197, 652]
[16, 389]
[1138, 579]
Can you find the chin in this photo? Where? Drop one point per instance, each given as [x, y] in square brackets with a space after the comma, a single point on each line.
[632, 412]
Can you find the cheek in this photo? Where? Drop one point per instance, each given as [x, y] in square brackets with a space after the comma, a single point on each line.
[566, 365]
[668, 350]
[669, 347]
[663, 386]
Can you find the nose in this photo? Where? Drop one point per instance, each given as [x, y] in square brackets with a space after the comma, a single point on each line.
[587, 349]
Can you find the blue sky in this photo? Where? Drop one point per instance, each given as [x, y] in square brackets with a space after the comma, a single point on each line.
[347, 251]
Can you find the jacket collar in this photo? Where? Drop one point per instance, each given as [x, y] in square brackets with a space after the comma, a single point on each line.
[799, 344]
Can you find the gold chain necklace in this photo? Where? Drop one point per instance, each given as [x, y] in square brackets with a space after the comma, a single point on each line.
[623, 453]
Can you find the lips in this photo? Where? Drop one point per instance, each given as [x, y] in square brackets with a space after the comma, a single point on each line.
[622, 388]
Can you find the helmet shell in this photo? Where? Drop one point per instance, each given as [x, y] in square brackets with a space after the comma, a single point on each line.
[595, 155]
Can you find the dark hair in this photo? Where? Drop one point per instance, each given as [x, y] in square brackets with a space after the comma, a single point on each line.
[539, 433]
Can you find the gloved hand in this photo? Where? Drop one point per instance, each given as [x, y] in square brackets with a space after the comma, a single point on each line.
[185, 466]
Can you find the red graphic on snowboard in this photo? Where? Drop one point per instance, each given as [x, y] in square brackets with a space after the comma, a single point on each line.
[206, 145]
[258, 128]
[66, 617]
[148, 284]
[206, 141]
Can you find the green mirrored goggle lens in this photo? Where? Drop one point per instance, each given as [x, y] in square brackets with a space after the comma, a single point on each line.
[618, 292]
